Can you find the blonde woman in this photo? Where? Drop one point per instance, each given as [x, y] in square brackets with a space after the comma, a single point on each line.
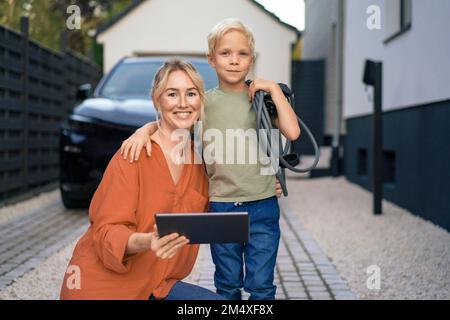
[121, 256]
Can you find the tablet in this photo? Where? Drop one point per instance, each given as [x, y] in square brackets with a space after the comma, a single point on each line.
[217, 227]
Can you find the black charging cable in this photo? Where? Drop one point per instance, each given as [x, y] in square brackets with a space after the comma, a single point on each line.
[265, 109]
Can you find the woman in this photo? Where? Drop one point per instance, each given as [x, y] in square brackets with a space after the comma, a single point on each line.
[121, 255]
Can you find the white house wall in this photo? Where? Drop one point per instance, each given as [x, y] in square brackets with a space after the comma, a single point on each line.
[319, 43]
[416, 64]
[317, 36]
[181, 27]
[360, 43]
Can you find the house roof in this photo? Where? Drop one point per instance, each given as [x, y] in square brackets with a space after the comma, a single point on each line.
[136, 3]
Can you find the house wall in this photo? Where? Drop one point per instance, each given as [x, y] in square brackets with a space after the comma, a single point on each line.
[411, 62]
[319, 41]
[181, 27]
[418, 136]
[416, 107]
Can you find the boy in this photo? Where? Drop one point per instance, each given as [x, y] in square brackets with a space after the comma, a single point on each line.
[238, 187]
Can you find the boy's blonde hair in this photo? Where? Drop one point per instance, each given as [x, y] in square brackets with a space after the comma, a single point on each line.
[226, 25]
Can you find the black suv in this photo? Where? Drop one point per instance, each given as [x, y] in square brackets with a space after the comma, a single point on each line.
[96, 128]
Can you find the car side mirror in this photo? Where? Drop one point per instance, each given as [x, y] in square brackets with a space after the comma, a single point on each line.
[84, 91]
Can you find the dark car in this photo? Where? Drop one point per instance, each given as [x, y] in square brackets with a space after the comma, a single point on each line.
[96, 128]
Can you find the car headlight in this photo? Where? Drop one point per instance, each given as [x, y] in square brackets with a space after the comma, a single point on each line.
[72, 149]
[79, 123]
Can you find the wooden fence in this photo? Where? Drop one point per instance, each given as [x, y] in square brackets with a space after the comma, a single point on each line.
[37, 91]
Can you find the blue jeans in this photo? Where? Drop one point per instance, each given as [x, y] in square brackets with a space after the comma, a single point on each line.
[186, 291]
[259, 254]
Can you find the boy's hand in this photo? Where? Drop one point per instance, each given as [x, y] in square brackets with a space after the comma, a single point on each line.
[278, 190]
[133, 145]
[261, 84]
[286, 119]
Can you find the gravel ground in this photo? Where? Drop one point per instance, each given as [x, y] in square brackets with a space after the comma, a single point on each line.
[24, 207]
[44, 282]
[413, 254]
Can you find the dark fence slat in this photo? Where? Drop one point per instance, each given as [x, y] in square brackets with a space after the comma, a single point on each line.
[11, 67]
[8, 144]
[10, 184]
[41, 144]
[39, 178]
[11, 84]
[7, 165]
[38, 161]
[11, 124]
[9, 104]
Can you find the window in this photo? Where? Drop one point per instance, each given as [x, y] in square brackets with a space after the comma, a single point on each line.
[133, 79]
[389, 167]
[405, 14]
[398, 18]
[362, 162]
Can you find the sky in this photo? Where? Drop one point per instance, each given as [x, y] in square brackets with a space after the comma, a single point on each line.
[289, 11]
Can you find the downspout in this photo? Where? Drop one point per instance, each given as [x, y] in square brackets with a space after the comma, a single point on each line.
[335, 162]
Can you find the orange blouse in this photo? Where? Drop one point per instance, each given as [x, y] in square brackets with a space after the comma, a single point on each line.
[125, 202]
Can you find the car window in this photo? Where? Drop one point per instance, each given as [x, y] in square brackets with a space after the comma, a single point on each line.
[208, 74]
[134, 80]
[130, 80]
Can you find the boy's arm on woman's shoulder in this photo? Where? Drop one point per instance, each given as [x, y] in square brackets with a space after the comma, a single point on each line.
[132, 146]
[149, 128]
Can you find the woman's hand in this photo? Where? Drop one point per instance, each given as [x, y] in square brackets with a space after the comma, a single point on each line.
[167, 246]
[164, 248]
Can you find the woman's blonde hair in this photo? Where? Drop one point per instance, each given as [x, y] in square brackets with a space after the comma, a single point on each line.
[226, 25]
[162, 76]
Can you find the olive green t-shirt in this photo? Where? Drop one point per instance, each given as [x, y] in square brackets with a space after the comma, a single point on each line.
[233, 158]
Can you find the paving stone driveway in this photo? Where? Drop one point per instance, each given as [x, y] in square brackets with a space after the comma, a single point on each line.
[303, 271]
[27, 240]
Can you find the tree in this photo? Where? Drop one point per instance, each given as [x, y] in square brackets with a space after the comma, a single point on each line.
[47, 20]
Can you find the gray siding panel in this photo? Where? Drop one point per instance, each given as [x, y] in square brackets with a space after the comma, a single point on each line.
[419, 136]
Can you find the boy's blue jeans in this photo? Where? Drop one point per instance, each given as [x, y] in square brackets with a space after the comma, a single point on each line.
[258, 255]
